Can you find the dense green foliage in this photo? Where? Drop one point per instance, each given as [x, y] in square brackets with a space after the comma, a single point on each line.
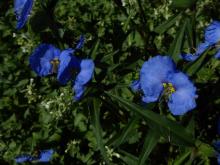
[110, 125]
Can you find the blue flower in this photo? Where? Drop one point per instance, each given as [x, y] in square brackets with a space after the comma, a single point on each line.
[212, 33]
[86, 71]
[158, 77]
[45, 59]
[68, 63]
[200, 50]
[22, 9]
[153, 73]
[44, 156]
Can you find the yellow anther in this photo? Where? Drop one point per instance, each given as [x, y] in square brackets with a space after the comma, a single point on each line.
[168, 88]
[55, 63]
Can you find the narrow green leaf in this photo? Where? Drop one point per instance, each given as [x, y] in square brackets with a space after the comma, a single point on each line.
[176, 45]
[189, 32]
[98, 130]
[124, 134]
[128, 158]
[167, 24]
[94, 50]
[149, 144]
[153, 118]
[181, 158]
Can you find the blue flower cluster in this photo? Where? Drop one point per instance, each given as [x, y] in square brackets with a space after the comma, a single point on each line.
[159, 76]
[212, 39]
[47, 59]
[44, 156]
[22, 9]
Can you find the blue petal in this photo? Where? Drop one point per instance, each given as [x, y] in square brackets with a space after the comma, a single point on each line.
[79, 90]
[45, 155]
[19, 4]
[41, 57]
[189, 57]
[153, 73]
[200, 49]
[81, 42]
[23, 158]
[183, 99]
[68, 62]
[217, 55]
[22, 10]
[217, 144]
[85, 74]
[152, 90]
[212, 33]
[135, 85]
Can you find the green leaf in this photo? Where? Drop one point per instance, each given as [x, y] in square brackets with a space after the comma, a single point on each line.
[168, 24]
[129, 159]
[94, 50]
[176, 45]
[98, 130]
[149, 144]
[181, 158]
[125, 133]
[158, 120]
[183, 3]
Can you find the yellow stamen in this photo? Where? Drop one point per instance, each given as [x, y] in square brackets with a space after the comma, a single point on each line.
[169, 88]
[55, 63]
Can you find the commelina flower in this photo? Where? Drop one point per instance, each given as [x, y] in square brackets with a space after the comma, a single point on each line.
[159, 76]
[47, 59]
[22, 9]
[44, 156]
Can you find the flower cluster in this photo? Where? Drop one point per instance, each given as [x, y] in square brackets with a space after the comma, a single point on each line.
[47, 59]
[22, 9]
[43, 156]
[212, 39]
[159, 76]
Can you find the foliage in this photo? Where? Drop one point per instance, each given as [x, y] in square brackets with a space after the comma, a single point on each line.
[110, 124]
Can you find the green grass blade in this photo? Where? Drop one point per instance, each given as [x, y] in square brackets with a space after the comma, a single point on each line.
[174, 128]
[98, 129]
[176, 45]
[167, 24]
[124, 134]
[128, 158]
[149, 144]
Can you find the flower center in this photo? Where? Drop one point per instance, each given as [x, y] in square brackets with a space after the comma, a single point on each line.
[55, 63]
[192, 50]
[168, 89]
